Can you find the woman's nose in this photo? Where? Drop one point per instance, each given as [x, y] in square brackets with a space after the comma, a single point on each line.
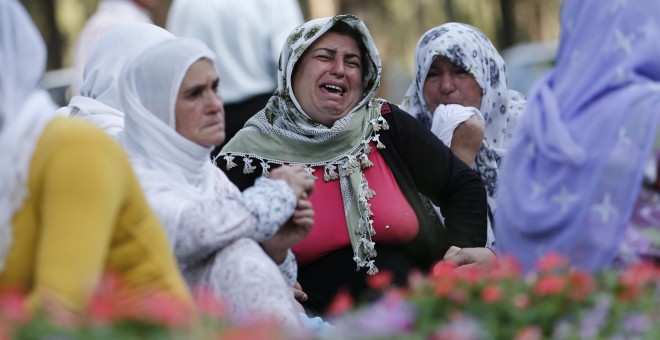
[447, 84]
[338, 67]
[216, 101]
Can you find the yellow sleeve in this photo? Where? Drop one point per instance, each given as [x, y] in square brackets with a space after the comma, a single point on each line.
[82, 191]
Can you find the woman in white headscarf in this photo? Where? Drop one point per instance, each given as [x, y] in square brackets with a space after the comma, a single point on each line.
[70, 206]
[174, 118]
[98, 101]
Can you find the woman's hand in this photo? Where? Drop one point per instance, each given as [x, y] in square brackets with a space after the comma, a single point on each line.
[481, 257]
[467, 139]
[298, 292]
[292, 232]
[297, 178]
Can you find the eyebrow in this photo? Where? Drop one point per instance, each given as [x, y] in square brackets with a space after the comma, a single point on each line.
[333, 52]
[200, 87]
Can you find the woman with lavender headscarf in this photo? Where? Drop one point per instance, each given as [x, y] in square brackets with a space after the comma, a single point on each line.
[572, 179]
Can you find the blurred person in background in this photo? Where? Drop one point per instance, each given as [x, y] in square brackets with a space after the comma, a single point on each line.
[98, 101]
[71, 208]
[247, 37]
[581, 175]
[108, 13]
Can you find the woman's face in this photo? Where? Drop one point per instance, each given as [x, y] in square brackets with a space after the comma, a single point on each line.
[327, 81]
[447, 83]
[200, 116]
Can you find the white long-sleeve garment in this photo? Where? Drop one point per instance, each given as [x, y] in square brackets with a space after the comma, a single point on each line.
[213, 227]
[246, 36]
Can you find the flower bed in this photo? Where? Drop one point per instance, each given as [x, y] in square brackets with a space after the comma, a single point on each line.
[448, 303]
[480, 303]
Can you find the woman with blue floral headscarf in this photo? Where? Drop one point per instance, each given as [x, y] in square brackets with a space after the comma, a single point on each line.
[370, 161]
[573, 178]
[460, 93]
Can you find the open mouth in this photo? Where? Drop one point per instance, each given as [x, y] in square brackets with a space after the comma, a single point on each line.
[333, 89]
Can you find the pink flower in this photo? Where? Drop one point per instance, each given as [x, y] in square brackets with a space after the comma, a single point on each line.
[444, 285]
[342, 303]
[521, 301]
[529, 333]
[380, 280]
[264, 329]
[581, 285]
[209, 304]
[507, 268]
[490, 294]
[12, 307]
[552, 261]
[550, 284]
[443, 269]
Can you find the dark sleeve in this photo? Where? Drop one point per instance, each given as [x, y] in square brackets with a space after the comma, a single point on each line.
[236, 175]
[441, 176]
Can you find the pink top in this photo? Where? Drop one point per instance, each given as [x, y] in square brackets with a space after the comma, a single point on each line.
[394, 220]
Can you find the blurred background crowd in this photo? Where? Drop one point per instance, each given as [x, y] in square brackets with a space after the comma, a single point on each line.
[524, 31]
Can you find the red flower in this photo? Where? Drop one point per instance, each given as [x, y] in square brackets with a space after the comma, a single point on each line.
[341, 304]
[380, 280]
[209, 304]
[521, 301]
[550, 284]
[459, 296]
[12, 307]
[636, 277]
[443, 286]
[470, 274]
[552, 261]
[162, 308]
[491, 293]
[263, 329]
[443, 269]
[508, 267]
[529, 333]
[581, 285]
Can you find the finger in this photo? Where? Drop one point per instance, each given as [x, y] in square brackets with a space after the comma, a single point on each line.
[451, 251]
[303, 204]
[300, 295]
[305, 223]
[307, 213]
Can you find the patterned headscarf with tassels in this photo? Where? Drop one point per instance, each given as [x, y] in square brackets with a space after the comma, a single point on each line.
[282, 133]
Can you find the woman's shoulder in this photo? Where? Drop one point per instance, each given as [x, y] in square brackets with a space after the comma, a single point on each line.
[64, 131]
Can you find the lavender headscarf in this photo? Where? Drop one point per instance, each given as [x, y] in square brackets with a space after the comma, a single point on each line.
[574, 168]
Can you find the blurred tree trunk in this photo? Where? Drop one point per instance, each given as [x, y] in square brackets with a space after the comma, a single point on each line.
[506, 34]
[450, 10]
[43, 15]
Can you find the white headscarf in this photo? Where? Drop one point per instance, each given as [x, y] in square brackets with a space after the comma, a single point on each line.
[164, 161]
[24, 110]
[98, 101]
